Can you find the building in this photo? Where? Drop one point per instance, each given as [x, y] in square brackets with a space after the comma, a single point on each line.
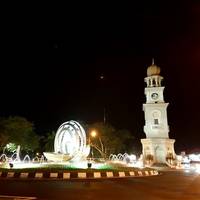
[157, 146]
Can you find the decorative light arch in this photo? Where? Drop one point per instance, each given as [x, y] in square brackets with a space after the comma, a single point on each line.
[70, 139]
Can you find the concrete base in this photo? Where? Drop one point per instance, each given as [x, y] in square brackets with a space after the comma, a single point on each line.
[56, 157]
[157, 150]
[69, 175]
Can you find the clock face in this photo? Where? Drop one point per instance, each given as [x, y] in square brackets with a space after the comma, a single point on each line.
[154, 96]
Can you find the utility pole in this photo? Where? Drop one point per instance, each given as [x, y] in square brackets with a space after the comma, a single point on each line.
[104, 115]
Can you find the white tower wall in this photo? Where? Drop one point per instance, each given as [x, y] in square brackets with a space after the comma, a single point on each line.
[157, 144]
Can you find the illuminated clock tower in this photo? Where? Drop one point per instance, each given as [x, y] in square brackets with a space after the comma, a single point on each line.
[157, 146]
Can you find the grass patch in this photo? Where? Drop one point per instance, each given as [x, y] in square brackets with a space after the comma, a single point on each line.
[72, 168]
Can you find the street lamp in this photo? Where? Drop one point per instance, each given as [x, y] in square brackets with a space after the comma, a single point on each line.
[94, 134]
[91, 134]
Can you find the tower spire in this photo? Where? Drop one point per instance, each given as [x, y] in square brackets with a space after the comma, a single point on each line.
[152, 61]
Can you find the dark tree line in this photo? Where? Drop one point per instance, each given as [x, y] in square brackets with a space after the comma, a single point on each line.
[16, 131]
[107, 141]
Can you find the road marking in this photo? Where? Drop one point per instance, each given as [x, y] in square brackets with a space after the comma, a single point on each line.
[10, 174]
[132, 173]
[53, 175]
[97, 175]
[81, 175]
[109, 174]
[16, 197]
[66, 175]
[38, 175]
[24, 175]
[121, 174]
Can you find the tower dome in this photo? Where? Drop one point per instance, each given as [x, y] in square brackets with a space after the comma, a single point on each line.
[153, 69]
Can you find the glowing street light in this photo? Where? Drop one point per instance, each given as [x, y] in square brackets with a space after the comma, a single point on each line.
[93, 133]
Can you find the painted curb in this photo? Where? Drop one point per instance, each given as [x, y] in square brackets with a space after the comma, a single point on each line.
[75, 175]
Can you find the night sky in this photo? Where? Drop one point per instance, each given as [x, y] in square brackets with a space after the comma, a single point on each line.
[51, 67]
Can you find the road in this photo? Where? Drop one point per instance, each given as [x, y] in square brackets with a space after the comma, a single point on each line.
[169, 185]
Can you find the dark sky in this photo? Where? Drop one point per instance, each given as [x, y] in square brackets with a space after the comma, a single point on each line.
[51, 67]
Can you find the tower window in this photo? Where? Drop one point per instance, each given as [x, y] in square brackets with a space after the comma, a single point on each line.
[156, 121]
[154, 82]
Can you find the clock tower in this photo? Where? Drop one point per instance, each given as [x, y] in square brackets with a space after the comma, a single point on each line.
[157, 146]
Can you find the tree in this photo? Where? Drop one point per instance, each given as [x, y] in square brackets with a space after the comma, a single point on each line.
[3, 136]
[114, 141]
[19, 131]
[126, 140]
[49, 141]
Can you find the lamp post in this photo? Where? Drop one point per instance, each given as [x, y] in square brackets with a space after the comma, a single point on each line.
[93, 134]
[89, 164]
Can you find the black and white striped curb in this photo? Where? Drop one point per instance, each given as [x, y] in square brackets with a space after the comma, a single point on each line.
[76, 175]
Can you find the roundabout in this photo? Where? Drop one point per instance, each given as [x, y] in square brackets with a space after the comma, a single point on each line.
[70, 161]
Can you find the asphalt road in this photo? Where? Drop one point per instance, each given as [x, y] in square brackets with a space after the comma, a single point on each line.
[169, 185]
